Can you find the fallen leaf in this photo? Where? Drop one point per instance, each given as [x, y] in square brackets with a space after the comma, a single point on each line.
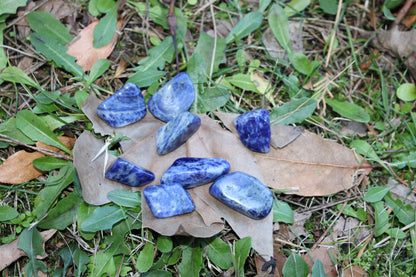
[280, 262]
[398, 44]
[10, 253]
[354, 271]
[403, 192]
[211, 140]
[81, 47]
[321, 253]
[18, 168]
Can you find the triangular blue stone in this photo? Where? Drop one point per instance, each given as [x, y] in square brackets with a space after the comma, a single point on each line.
[127, 173]
[192, 172]
[124, 107]
[175, 97]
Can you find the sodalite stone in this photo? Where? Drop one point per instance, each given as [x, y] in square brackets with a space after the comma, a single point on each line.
[243, 193]
[176, 132]
[127, 173]
[175, 97]
[124, 107]
[168, 200]
[254, 130]
[192, 172]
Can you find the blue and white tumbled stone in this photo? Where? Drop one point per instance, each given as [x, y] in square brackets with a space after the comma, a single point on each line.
[192, 172]
[243, 193]
[175, 97]
[168, 200]
[127, 173]
[176, 132]
[124, 107]
[254, 130]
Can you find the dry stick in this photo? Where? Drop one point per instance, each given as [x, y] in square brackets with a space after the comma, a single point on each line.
[215, 42]
[41, 150]
[171, 19]
[333, 35]
[318, 164]
[403, 11]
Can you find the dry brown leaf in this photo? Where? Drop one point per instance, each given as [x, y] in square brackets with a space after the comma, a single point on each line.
[280, 262]
[354, 271]
[82, 49]
[213, 141]
[9, 253]
[322, 254]
[18, 168]
[398, 44]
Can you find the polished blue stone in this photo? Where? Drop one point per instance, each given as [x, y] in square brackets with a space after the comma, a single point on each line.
[127, 173]
[192, 172]
[168, 200]
[176, 132]
[243, 193]
[175, 97]
[254, 130]
[124, 107]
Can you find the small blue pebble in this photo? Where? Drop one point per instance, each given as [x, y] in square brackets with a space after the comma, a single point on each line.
[126, 173]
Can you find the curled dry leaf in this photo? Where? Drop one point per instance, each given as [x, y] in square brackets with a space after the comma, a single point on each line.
[9, 252]
[18, 168]
[305, 163]
[81, 47]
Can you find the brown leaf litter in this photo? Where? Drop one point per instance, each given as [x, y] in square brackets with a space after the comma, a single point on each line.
[311, 164]
[9, 252]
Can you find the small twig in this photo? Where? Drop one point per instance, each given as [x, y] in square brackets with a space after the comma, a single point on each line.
[41, 150]
[331, 44]
[171, 19]
[403, 11]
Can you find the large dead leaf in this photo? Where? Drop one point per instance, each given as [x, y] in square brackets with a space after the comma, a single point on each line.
[300, 164]
[9, 252]
[82, 49]
[18, 168]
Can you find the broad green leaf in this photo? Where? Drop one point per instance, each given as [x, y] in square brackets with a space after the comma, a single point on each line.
[247, 24]
[282, 212]
[241, 57]
[318, 269]
[158, 56]
[104, 31]
[157, 273]
[92, 8]
[63, 214]
[391, 4]
[49, 163]
[85, 210]
[56, 52]
[242, 81]
[175, 256]
[365, 149]
[30, 241]
[206, 47]
[375, 194]
[66, 256]
[80, 97]
[33, 127]
[145, 259]
[406, 92]
[53, 188]
[80, 260]
[212, 98]
[10, 129]
[7, 213]
[53, 122]
[16, 75]
[219, 252]
[295, 6]
[3, 57]
[164, 244]
[381, 218]
[102, 218]
[348, 110]
[295, 266]
[192, 262]
[329, 6]
[359, 213]
[146, 78]
[301, 63]
[264, 4]
[125, 198]
[44, 23]
[240, 252]
[404, 213]
[197, 72]
[103, 264]
[294, 111]
[10, 6]
[396, 233]
[279, 25]
[104, 6]
[98, 69]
